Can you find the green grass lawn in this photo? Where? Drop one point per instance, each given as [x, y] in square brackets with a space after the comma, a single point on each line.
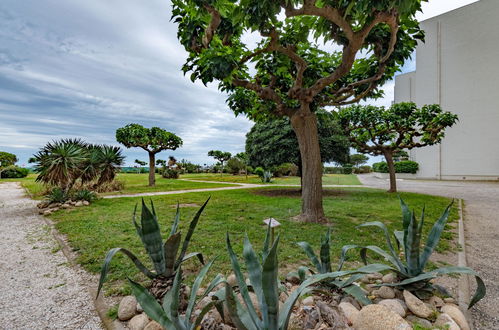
[328, 179]
[105, 224]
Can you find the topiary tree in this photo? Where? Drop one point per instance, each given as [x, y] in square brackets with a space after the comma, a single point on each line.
[385, 131]
[311, 54]
[221, 156]
[358, 159]
[153, 140]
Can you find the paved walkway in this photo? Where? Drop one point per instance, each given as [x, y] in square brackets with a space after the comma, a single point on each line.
[481, 215]
[37, 288]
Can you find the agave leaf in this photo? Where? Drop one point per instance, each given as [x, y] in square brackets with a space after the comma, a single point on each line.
[198, 255]
[215, 282]
[266, 242]
[254, 274]
[171, 301]
[107, 260]
[406, 222]
[399, 238]
[434, 236]
[302, 273]
[344, 251]
[394, 254]
[394, 261]
[232, 307]
[204, 311]
[151, 307]
[171, 248]
[192, 227]
[176, 220]
[325, 253]
[311, 255]
[151, 238]
[270, 287]
[243, 288]
[195, 288]
[412, 246]
[357, 293]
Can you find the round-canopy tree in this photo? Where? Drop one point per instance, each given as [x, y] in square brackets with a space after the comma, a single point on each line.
[311, 54]
[7, 159]
[221, 156]
[385, 131]
[358, 159]
[273, 142]
[153, 140]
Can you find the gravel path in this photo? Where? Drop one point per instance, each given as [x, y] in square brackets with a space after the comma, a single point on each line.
[38, 290]
[481, 219]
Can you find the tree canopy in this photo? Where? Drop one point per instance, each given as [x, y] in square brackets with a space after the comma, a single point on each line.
[358, 159]
[7, 159]
[273, 142]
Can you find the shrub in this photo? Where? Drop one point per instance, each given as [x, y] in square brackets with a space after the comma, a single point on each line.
[57, 195]
[259, 171]
[114, 185]
[14, 172]
[84, 195]
[380, 167]
[234, 165]
[405, 166]
[347, 169]
[362, 169]
[333, 170]
[286, 169]
[169, 173]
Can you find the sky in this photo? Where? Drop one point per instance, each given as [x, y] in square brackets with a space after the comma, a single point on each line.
[85, 68]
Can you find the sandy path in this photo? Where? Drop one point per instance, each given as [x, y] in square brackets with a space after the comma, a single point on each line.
[481, 220]
[38, 290]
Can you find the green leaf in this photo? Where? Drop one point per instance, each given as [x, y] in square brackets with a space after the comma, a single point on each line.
[325, 253]
[151, 307]
[254, 273]
[311, 255]
[357, 293]
[232, 307]
[270, 287]
[176, 221]
[195, 288]
[171, 248]
[150, 235]
[412, 246]
[171, 301]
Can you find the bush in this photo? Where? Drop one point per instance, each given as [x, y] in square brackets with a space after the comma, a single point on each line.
[347, 169]
[57, 195]
[114, 185]
[362, 169]
[405, 166]
[234, 165]
[286, 169]
[84, 195]
[333, 170]
[259, 171]
[169, 173]
[14, 172]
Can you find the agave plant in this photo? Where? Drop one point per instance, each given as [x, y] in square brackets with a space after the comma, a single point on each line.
[411, 269]
[323, 265]
[263, 277]
[164, 255]
[168, 314]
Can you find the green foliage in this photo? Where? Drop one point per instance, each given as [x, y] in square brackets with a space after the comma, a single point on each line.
[57, 195]
[265, 176]
[235, 165]
[363, 169]
[416, 254]
[140, 162]
[170, 173]
[84, 195]
[221, 156]
[272, 143]
[286, 169]
[358, 159]
[7, 159]
[347, 169]
[164, 255]
[152, 139]
[13, 172]
[404, 166]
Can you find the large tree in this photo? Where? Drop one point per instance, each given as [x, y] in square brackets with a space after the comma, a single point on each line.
[386, 131]
[271, 143]
[221, 156]
[153, 140]
[311, 54]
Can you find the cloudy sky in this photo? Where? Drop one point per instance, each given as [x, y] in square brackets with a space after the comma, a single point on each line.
[84, 68]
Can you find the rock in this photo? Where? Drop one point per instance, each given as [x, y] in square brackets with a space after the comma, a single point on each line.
[309, 301]
[187, 291]
[352, 301]
[445, 321]
[370, 288]
[416, 306]
[394, 305]
[203, 302]
[417, 320]
[153, 325]
[384, 292]
[450, 300]
[379, 317]
[365, 279]
[73, 203]
[47, 212]
[389, 278]
[232, 280]
[139, 308]
[375, 276]
[455, 313]
[65, 206]
[282, 297]
[127, 308]
[41, 211]
[86, 203]
[350, 311]
[436, 301]
[312, 317]
[138, 322]
[78, 203]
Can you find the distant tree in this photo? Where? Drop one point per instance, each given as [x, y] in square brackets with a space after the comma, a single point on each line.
[7, 159]
[140, 162]
[385, 131]
[172, 161]
[235, 165]
[153, 140]
[358, 159]
[243, 157]
[161, 162]
[221, 156]
[272, 143]
[400, 155]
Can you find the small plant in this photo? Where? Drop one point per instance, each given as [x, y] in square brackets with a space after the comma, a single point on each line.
[416, 255]
[169, 173]
[265, 176]
[57, 195]
[168, 314]
[85, 195]
[162, 254]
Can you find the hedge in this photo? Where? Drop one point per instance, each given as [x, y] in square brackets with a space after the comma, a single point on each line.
[14, 172]
[405, 166]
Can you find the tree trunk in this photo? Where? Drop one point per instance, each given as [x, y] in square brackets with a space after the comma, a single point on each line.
[304, 124]
[391, 170]
[152, 169]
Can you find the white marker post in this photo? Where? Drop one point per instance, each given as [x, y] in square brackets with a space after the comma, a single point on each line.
[273, 224]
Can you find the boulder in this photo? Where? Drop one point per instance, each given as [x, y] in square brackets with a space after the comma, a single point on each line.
[138, 322]
[445, 321]
[350, 311]
[394, 305]
[416, 306]
[379, 317]
[384, 292]
[78, 204]
[153, 325]
[455, 313]
[86, 203]
[127, 308]
[436, 301]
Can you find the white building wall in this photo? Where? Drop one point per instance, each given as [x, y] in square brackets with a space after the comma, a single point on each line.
[456, 68]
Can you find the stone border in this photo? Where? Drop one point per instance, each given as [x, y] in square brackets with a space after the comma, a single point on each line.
[463, 289]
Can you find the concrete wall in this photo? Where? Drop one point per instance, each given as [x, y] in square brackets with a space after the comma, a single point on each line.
[457, 68]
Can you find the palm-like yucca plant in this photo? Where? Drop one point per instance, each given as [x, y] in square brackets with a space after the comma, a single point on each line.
[323, 265]
[168, 314]
[164, 255]
[109, 159]
[263, 277]
[411, 269]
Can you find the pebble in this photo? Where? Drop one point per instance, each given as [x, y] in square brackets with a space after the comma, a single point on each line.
[455, 313]
[436, 301]
[138, 322]
[127, 308]
[416, 306]
[86, 203]
[232, 280]
[78, 204]
[394, 305]
[153, 325]
[139, 308]
[389, 278]
[445, 321]
[379, 317]
[309, 301]
[350, 311]
[384, 292]
[450, 300]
